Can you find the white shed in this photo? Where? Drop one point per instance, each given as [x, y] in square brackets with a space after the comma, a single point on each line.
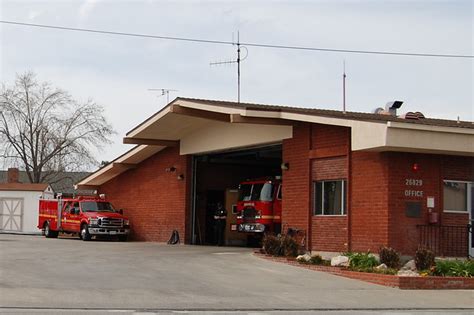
[19, 206]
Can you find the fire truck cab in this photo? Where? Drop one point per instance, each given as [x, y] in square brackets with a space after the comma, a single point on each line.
[259, 206]
[85, 216]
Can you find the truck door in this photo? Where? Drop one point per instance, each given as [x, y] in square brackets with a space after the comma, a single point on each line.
[65, 216]
[71, 217]
[75, 217]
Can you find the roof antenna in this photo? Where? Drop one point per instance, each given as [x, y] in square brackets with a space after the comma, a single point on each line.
[235, 61]
[344, 87]
[164, 92]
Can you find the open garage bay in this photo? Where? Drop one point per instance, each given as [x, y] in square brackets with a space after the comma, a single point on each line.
[39, 273]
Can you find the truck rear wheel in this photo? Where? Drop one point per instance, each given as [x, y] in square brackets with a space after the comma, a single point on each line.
[85, 236]
[48, 232]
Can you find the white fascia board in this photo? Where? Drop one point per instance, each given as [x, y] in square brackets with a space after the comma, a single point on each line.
[368, 135]
[94, 176]
[458, 130]
[150, 122]
[210, 108]
[413, 140]
[125, 157]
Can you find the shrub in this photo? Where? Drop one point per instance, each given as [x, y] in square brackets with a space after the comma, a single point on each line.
[389, 257]
[316, 260]
[289, 246]
[272, 245]
[424, 259]
[454, 268]
[362, 261]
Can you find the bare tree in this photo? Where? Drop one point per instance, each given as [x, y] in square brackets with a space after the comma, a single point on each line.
[45, 131]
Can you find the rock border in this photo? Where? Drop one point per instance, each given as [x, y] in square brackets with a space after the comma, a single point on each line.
[401, 282]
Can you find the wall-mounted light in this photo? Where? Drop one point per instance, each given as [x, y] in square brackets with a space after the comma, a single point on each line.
[285, 166]
[170, 169]
[180, 177]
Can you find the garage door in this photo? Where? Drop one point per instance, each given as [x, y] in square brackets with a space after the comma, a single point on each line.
[11, 214]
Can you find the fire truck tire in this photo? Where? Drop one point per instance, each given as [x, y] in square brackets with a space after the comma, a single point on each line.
[84, 235]
[48, 232]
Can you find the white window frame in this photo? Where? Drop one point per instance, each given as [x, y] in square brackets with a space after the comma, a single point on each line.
[468, 196]
[343, 192]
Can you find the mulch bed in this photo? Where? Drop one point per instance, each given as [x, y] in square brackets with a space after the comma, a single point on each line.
[406, 283]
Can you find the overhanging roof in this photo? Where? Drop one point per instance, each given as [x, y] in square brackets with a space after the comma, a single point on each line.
[199, 126]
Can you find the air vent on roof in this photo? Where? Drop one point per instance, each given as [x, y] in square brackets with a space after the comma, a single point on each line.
[390, 108]
[379, 110]
[413, 115]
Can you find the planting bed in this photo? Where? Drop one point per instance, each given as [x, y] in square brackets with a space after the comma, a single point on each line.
[406, 283]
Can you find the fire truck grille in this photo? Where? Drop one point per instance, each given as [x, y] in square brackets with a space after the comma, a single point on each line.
[111, 222]
[249, 214]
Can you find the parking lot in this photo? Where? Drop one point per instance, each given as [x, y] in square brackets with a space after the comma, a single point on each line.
[69, 274]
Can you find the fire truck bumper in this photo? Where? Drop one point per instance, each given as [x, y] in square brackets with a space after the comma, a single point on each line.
[251, 227]
[108, 231]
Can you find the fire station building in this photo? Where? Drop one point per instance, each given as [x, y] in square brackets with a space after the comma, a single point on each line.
[350, 181]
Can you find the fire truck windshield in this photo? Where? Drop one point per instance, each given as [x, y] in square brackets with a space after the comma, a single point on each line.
[256, 192]
[93, 206]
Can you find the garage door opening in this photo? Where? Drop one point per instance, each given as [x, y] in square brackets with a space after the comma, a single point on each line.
[216, 180]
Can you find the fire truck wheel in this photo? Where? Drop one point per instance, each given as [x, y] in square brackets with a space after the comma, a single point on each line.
[85, 236]
[48, 233]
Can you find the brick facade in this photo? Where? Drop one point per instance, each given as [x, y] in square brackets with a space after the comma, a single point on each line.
[377, 197]
[154, 200]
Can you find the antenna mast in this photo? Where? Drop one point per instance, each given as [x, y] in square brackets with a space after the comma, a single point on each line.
[344, 87]
[238, 61]
[164, 92]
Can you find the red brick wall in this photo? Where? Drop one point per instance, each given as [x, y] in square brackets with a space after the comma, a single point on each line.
[404, 234]
[296, 180]
[154, 200]
[329, 233]
[433, 169]
[325, 136]
[369, 201]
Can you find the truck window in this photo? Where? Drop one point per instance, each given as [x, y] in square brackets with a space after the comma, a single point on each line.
[93, 206]
[245, 192]
[266, 192]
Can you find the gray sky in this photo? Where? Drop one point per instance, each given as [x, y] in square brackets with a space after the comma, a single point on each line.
[117, 71]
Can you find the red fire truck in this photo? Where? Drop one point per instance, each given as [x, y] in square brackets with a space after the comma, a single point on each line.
[86, 216]
[259, 206]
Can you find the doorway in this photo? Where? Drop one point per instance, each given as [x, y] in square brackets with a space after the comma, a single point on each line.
[216, 178]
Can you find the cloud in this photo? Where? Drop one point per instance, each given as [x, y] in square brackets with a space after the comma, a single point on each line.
[86, 8]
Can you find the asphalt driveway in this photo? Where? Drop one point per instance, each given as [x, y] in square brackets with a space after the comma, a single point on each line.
[71, 274]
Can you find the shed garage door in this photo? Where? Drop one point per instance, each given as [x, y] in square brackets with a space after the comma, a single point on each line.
[11, 214]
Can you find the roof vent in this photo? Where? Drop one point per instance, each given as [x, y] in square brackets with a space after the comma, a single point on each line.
[390, 108]
[379, 110]
[413, 115]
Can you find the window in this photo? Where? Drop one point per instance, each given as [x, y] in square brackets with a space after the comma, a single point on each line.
[256, 192]
[455, 196]
[330, 197]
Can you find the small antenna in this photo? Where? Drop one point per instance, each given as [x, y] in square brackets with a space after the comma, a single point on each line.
[235, 61]
[344, 87]
[164, 92]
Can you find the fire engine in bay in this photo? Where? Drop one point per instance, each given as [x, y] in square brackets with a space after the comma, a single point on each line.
[259, 206]
[87, 216]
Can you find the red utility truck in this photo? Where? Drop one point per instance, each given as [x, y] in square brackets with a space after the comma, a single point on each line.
[86, 216]
[259, 206]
